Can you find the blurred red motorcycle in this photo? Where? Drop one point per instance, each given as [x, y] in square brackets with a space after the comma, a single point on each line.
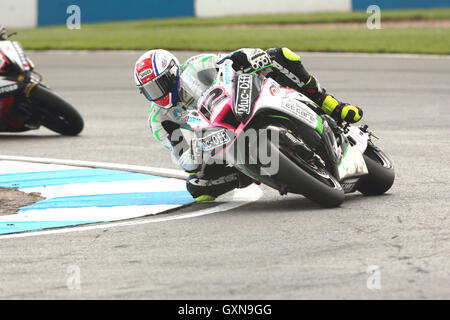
[25, 103]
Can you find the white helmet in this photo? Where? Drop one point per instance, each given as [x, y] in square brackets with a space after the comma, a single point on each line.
[157, 75]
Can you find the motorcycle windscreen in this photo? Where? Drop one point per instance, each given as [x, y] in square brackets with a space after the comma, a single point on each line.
[197, 80]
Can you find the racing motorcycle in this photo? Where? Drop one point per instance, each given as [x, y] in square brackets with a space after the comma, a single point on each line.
[312, 154]
[25, 103]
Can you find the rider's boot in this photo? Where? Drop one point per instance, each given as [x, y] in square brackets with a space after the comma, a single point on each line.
[216, 180]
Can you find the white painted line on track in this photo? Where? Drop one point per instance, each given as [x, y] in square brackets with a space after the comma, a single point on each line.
[81, 189]
[240, 197]
[78, 195]
[9, 167]
[250, 194]
[170, 173]
[318, 53]
[92, 215]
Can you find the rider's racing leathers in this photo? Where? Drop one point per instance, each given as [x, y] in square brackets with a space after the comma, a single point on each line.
[210, 181]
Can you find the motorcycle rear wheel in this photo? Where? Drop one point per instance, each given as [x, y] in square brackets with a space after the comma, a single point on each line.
[300, 177]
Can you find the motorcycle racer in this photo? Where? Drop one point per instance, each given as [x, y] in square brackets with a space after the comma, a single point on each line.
[158, 75]
[13, 112]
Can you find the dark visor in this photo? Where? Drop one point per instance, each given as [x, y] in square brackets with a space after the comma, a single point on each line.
[163, 84]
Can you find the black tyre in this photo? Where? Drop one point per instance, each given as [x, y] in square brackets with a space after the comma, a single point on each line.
[381, 172]
[57, 114]
[301, 177]
[310, 180]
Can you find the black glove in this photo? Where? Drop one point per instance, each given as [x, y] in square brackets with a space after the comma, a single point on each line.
[249, 60]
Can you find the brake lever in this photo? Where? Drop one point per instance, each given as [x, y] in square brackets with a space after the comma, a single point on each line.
[365, 129]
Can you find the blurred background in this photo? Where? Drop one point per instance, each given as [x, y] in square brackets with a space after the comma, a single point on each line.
[414, 26]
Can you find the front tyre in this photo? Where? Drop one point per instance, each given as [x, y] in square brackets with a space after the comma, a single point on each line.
[57, 114]
[381, 172]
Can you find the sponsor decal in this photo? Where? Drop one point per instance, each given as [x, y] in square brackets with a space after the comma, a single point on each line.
[214, 140]
[193, 121]
[299, 111]
[145, 73]
[10, 88]
[244, 94]
[227, 77]
[274, 90]
[293, 139]
[164, 62]
[288, 74]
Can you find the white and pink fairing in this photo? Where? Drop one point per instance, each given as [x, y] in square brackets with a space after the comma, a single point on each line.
[12, 52]
[271, 96]
[218, 102]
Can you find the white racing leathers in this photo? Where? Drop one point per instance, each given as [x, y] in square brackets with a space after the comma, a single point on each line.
[170, 128]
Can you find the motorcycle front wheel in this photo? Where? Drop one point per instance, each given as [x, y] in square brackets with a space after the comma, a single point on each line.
[381, 172]
[56, 114]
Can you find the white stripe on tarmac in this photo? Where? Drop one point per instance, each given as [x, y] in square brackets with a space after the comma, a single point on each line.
[250, 194]
[114, 187]
[170, 173]
[93, 214]
[240, 197]
[10, 167]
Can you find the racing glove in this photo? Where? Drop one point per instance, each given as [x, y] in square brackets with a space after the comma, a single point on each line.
[250, 60]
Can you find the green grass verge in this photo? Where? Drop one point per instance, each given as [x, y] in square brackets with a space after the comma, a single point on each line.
[222, 34]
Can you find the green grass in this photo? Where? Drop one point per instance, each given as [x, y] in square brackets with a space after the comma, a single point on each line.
[222, 34]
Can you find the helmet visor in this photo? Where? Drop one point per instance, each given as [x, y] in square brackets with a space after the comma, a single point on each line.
[163, 84]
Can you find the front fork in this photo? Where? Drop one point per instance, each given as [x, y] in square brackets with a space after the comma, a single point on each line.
[24, 110]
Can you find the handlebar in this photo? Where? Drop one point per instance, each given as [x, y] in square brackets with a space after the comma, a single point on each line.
[3, 35]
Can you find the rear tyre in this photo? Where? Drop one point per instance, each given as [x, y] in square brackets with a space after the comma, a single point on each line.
[57, 114]
[298, 176]
[310, 180]
[381, 172]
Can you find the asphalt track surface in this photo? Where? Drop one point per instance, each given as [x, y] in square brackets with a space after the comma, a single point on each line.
[274, 248]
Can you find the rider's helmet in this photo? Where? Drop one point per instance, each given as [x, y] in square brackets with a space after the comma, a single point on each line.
[157, 75]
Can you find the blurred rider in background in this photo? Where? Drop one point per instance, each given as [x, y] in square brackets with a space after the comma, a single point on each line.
[157, 75]
[13, 117]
